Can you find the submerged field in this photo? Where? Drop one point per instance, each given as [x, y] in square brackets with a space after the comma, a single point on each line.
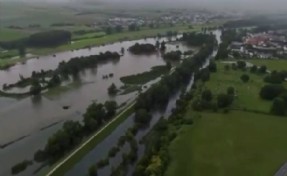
[239, 142]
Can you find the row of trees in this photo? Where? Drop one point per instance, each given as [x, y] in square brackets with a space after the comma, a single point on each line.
[42, 39]
[72, 132]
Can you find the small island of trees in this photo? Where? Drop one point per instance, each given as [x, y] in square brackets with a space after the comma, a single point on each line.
[142, 48]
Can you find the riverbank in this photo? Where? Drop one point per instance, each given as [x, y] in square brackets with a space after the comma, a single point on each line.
[69, 161]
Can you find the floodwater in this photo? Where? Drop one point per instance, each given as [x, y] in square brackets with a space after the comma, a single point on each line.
[101, 150]
[26, 124]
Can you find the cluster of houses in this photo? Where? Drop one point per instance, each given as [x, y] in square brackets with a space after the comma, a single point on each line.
[261, 45]
[187, 17]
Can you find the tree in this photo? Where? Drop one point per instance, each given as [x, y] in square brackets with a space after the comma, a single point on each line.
[108, 30]
[253, 69]
[112, 90]
[157, 44]
[36, 87]
[93, 170]
[142, 116]
[279, 107]
[244, 78]
[118, 28]
[241, 64]
[227, 67]
[224, 100]
[111, 107]
[22, 51]
[206, 95]
[262, 69]
[212, 66]
[269, 92]
[230, 91]
[162, 46]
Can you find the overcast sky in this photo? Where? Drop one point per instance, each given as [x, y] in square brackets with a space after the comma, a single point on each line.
[274, 5]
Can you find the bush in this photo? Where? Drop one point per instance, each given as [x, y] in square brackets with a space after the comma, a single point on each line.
[245, 78]
[20, 167]
[224, 100]
[93, 170]
[269, 92]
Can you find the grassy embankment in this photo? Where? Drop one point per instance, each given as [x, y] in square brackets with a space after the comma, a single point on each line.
[235, 143]
[145, 77]
[70, 160]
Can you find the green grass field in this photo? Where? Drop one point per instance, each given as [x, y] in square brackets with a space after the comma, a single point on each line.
[247, 93]
[11, 34]
[237, 144]
[278, 65]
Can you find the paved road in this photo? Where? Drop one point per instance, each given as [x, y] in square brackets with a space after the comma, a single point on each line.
[86, 142]
[282, 171]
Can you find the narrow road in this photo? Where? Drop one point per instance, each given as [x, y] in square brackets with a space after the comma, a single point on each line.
[86, 142]
[282, 171]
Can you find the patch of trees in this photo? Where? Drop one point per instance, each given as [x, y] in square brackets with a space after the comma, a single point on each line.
[133, 27]
[271, 91]
[195, 39]
[172, 55]
[42, 39]
[112, 90]
[72, 132]
[49, 38]
[20, 167]
[142, 48]
[207, 101]
[245, 78]
[276, 77]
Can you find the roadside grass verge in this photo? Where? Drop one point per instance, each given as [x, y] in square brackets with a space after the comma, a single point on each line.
[145, 77]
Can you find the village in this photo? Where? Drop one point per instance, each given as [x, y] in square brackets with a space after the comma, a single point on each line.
[263, 45]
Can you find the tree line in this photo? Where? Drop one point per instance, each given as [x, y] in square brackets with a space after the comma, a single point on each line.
[51, 38]
[158, 95]
[73, 132]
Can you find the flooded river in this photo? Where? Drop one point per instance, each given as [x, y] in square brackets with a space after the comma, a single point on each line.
[101, 150]
[26, 124]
